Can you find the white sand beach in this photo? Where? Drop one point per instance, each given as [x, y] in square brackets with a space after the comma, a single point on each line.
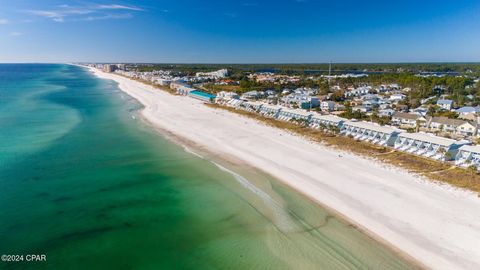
[435, 224]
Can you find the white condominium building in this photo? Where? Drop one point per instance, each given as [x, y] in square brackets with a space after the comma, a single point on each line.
[328, 120]
[468, 155]
[289, 114]
[428, 145]
[370, 132]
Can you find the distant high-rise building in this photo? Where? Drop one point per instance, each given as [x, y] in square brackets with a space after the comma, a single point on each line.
[222, 73]
[109, 68]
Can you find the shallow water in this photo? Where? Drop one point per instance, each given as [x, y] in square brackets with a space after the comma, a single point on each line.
[86, 182]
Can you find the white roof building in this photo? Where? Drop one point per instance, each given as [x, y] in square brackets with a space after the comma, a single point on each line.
[270, 110]
[235, 103]
[328, 120]
[445, 104]
[370, 132]
[222, 73]
[224, 97]
[252, 106]
[327, 106]
[289, 114]
[397, 97]
[181, 88]
[468, 155]
[428, 145]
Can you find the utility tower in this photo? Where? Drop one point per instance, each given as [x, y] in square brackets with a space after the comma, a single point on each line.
[329, 75]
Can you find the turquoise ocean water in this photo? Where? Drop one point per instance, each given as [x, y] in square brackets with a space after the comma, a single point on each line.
[86, 182]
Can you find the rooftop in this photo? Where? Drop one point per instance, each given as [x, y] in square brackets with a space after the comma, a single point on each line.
[471, 148]
[445, 101]
[468, 109]
[297, 111]
[411, 116]
[329, 117]
[448, 121]
[425, 137]
[372, 126]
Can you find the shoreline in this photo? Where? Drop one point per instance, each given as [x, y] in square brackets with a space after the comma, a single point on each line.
[231, 161]
[342, 202]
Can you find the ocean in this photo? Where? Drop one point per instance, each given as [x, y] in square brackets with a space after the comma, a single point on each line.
[87, 183]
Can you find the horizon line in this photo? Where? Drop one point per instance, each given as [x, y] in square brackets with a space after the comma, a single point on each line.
[243, 63]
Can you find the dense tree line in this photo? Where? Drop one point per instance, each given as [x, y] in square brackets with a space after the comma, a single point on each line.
[322, 68]
[454, 87]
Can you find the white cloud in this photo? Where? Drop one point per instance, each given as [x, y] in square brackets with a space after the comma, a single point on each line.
[4, 21]
[106, 17]
[54, 15]
[78, 13]
[113, 6]
[16, 34]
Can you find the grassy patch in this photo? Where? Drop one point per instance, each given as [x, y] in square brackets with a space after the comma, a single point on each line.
[458, 177]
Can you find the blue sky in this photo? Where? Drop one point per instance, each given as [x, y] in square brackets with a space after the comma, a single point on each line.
[244, 31]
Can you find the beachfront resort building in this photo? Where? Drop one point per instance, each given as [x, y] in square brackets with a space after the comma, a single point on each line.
[291, 114]
[181, 88]
[468, 155]
[326, 121]
[370, 132]
[272, 111]
[224, 97]
[109, 68]
[428, 145]
[206, 97]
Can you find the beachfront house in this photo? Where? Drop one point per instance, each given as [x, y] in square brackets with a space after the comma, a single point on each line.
[181, 88]
[327, 121]
[370, 132]
[297, 114]
[428, 145]
[468, 155]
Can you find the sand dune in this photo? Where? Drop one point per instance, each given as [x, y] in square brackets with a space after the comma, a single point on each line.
[437, 225]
